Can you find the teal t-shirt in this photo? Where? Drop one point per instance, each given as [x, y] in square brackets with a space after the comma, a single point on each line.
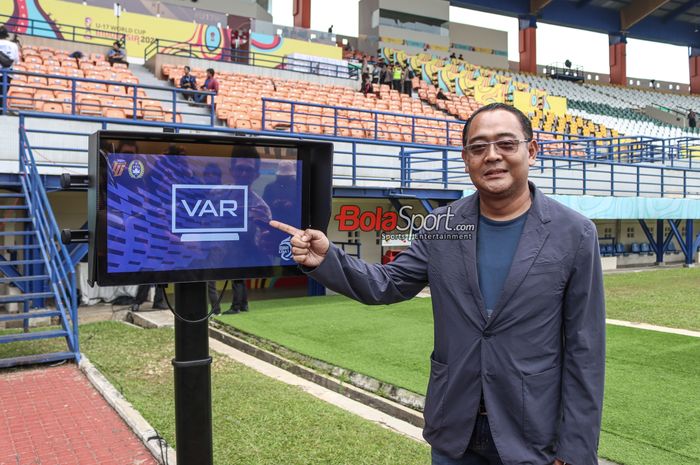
[496, 243]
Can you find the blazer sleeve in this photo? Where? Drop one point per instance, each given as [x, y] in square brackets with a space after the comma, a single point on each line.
[583, 371]
[374, 284]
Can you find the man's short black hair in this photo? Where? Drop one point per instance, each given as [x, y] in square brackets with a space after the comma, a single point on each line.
[245, 151]
[188, 68]
[117, 43]
[525, 123]
[210, 71]
[3, 33]
[127, 143]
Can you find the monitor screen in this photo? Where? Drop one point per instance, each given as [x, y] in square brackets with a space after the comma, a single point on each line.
[175, 208]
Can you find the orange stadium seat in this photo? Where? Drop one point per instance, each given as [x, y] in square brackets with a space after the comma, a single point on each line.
[89, 105]
[20, 98]
[51, 107]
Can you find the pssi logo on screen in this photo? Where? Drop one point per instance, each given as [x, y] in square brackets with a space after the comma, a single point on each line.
[118, 167]
[202, 212]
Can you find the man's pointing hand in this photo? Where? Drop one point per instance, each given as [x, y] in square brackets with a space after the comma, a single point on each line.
[309, 246]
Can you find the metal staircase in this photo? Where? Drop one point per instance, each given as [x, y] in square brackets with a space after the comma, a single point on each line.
[37, 269]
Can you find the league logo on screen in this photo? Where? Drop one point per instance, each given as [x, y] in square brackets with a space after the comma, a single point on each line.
[202, 212]
[118, 167]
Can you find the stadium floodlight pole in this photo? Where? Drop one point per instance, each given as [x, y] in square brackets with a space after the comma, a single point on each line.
[192, 367]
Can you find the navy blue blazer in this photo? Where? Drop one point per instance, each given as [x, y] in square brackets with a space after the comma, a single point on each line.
[539, 359]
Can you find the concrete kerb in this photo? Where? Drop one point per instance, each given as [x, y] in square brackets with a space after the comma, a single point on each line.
[143, 430]
[394, 409]
[392, 400]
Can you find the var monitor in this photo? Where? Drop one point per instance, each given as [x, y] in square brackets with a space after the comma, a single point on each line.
[187, 208]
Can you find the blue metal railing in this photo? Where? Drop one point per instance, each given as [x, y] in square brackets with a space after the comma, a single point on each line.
[293, 116]
[95, 92]
[54, 254]
[390, 164]
[39, 27]
[246, 57]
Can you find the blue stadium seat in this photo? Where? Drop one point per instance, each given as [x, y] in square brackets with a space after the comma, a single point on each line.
[635, 248]
[644, 248]
[620, 249]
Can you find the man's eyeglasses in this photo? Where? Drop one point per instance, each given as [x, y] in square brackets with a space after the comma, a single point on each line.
[503, 146]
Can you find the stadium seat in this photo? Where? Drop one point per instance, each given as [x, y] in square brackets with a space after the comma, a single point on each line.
[89, 105]
[111, 112]
[620, 249]
[152, 110]
[20, 98]
[51, 107]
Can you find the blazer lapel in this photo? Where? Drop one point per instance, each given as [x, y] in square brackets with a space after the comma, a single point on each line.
[470, 215]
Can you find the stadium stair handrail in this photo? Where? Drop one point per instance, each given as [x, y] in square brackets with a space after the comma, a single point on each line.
[54, 253]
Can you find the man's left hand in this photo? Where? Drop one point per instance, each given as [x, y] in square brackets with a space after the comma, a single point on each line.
[558, 462]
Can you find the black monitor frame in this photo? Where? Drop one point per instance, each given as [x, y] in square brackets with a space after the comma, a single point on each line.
[317, 167]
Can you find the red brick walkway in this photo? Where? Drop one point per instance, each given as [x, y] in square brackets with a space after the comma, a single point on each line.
[53, 416]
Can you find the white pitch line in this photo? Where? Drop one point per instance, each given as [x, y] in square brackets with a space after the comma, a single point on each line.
[661, 329]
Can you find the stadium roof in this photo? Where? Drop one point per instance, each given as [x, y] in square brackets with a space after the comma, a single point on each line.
[669, 21]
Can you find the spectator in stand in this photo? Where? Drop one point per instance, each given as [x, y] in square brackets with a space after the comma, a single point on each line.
[692, 120]
[453, 56]
[441, 95]
[187, 81]
[461, 57]
[397, 73]
[11, 52]
[210, 84]
[408, 75]
[388, 74]
[376, 73]
[117, 54]
[365, 66]
[367, 87]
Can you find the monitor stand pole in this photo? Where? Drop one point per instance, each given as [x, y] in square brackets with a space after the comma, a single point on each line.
[192, 367]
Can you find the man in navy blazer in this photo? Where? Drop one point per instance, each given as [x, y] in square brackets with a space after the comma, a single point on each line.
[517, 370]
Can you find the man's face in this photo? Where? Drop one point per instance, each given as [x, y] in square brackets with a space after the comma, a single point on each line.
[126, 148]
[187, 71]
[495, 171]
[115, 46]
[244, 171]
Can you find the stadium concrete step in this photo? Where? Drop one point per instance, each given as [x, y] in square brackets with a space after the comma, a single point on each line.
[28, 315]
[6, 299]
[34, 336]
[19, 279]
[36, 359]
[197, 114]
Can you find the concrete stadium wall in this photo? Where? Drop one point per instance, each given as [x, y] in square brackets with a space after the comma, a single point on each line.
[480, 37]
